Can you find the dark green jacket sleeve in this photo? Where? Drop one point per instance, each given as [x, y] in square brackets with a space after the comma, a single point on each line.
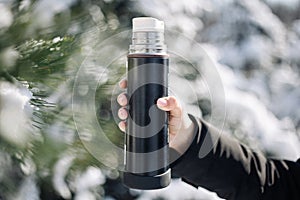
[233, 171]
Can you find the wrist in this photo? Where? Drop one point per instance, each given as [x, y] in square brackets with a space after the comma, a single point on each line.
[185, 135]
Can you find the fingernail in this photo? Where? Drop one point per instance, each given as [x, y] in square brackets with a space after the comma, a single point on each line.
[122, 126]
[162, 102]
[122, 83]
[121, 99]
[122, 113]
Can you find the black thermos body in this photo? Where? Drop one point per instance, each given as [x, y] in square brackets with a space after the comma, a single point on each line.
[146, 139]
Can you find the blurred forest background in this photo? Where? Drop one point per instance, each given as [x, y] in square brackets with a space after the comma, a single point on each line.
[255, 45]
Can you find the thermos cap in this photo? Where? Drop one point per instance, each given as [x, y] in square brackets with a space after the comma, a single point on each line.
[141, 24]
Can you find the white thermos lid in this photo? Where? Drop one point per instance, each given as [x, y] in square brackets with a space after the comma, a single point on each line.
[141, 24]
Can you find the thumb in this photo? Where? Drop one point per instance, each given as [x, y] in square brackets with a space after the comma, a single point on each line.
[170, 104]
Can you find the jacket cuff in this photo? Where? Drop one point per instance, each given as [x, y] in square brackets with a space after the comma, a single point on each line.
[179, 165]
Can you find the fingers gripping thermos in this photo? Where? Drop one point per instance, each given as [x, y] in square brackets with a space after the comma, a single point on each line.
[146, 143]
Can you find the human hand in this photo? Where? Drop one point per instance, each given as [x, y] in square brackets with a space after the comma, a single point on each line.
[181, 128]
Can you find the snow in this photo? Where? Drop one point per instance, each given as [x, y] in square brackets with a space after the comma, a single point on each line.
[286, 3]
[28, 190]
[6, 17]
[44, 12]
[5, 163]
[8, 57]
[258, 122]
[28, 166]
[61, 169]
[179, 190]
[296, 26]
[81, 183]
[91, 178]
[285, 85]
[15, 113]
[25, 4]
[262, 125]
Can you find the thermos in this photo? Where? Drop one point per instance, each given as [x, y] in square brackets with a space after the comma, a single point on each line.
[146, 138]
